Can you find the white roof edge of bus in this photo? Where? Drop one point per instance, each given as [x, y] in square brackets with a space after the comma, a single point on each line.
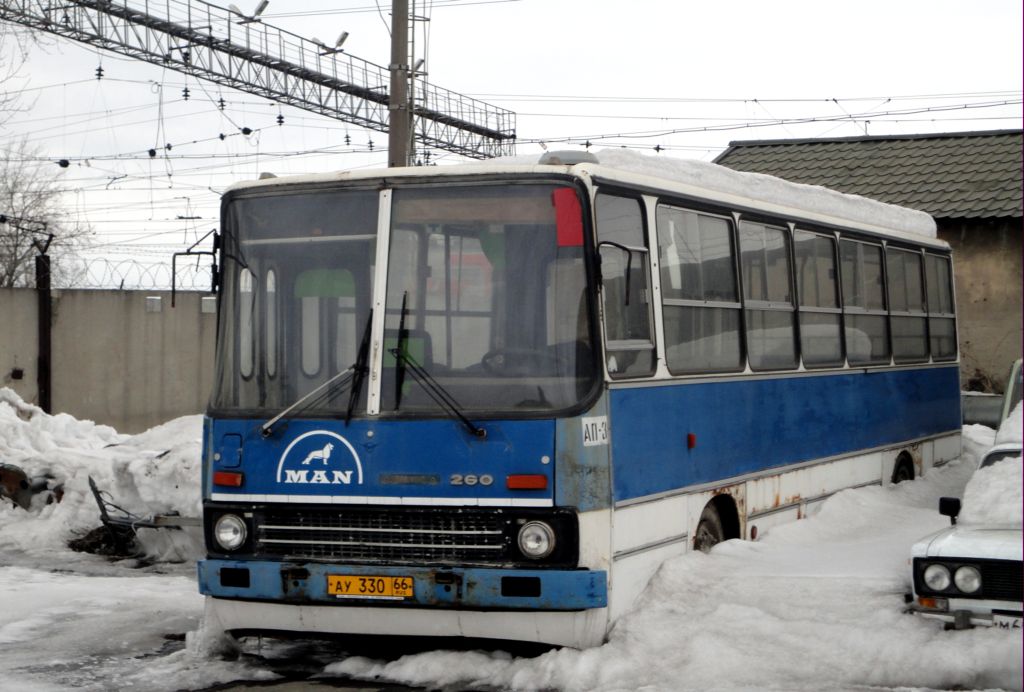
[691, 178]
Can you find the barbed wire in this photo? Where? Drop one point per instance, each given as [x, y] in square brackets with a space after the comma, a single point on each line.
[133, 274]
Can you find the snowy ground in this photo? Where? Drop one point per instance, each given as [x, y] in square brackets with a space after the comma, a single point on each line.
[813, 605]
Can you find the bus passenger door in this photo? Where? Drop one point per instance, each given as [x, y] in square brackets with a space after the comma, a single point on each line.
[625, 287]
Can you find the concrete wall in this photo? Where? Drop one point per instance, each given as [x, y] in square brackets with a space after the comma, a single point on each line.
[19, 342]
[118, 363]
[121, 358]
[987, 272]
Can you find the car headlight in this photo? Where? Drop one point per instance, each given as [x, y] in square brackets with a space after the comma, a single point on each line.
[229, 531]
[937, 578]
[536, 539]
[967, 579]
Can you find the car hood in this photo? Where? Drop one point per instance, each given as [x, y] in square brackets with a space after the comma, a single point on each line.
[965, 540]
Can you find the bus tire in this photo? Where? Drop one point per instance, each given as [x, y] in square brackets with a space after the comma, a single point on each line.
[709, 530]
[904, 469]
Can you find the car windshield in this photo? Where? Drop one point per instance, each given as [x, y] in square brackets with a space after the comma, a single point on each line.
[485, 287]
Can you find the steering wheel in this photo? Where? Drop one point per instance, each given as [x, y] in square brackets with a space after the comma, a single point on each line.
[512, 362]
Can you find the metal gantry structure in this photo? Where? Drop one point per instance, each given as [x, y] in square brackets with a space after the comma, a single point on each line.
[228, 48]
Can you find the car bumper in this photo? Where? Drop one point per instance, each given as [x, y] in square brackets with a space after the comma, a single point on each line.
[960, 615]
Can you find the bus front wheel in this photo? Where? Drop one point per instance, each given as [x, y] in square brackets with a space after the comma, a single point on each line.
[709, 530]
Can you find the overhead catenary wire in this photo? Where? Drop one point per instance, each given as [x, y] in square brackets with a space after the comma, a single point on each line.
[726, 124]
[205, 156]
[446, 4]
[644, 134]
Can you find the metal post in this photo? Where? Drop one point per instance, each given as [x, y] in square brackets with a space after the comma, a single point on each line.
[399, 119]
[45, 330]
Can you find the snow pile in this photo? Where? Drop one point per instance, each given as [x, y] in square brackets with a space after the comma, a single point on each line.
[768, 188]
[814, 605]
[156, 472]
[995, 495]
[976, 440]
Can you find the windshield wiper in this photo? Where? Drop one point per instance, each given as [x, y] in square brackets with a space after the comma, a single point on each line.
[439, 394]
[351, 375]
[309, 399]
[403, 340]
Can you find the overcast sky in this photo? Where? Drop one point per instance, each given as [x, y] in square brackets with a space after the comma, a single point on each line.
[687, 77]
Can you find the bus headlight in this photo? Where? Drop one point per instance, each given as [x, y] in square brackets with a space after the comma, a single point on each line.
[936, 577]
[229, 532]
[536, 539]
[967, 579]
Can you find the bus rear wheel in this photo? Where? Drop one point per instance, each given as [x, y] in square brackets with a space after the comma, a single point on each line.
[904, 470]
[709, 530]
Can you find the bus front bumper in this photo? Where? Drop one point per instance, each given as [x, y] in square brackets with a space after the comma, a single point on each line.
[561, 607]
[505, 589]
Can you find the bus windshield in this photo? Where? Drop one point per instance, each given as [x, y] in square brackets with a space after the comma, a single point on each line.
[485, 299]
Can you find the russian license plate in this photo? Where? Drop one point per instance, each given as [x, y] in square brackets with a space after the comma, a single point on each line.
[1006, 622]
[367, 586]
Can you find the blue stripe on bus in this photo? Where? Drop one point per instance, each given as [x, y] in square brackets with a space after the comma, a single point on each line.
[437, 587]
[749, 425]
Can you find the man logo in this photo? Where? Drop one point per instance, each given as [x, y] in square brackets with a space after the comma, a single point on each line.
[311, 459]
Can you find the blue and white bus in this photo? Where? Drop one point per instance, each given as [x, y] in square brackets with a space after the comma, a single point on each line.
[490, 400]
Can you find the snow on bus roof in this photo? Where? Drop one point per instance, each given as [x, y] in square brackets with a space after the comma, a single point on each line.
[697, 178]
[767, 188]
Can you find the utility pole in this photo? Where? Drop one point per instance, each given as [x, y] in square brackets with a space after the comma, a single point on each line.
[44, 317]
[399, 115]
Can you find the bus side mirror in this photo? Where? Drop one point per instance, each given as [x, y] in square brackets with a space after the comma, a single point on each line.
[214, 273]
[950, 507]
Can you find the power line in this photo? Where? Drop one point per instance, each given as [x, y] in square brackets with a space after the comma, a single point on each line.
[671, 99]
[444, 4]
[646, 134]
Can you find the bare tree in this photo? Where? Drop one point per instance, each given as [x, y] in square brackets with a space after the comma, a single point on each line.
[30, 204]
[15, 43]
[30, 194]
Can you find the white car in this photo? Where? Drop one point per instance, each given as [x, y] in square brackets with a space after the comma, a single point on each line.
[970, 573]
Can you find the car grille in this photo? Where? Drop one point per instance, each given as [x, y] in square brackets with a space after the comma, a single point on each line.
[392, 535]
[1001, 580]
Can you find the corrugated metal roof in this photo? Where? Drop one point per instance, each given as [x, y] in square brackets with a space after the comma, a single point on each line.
[956, 175]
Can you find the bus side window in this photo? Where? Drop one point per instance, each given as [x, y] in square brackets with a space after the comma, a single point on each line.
[941, 318]
[864, 309]
[700, 298]
[821, 343]
[623, 247]
[767, 296]
[906, 306]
